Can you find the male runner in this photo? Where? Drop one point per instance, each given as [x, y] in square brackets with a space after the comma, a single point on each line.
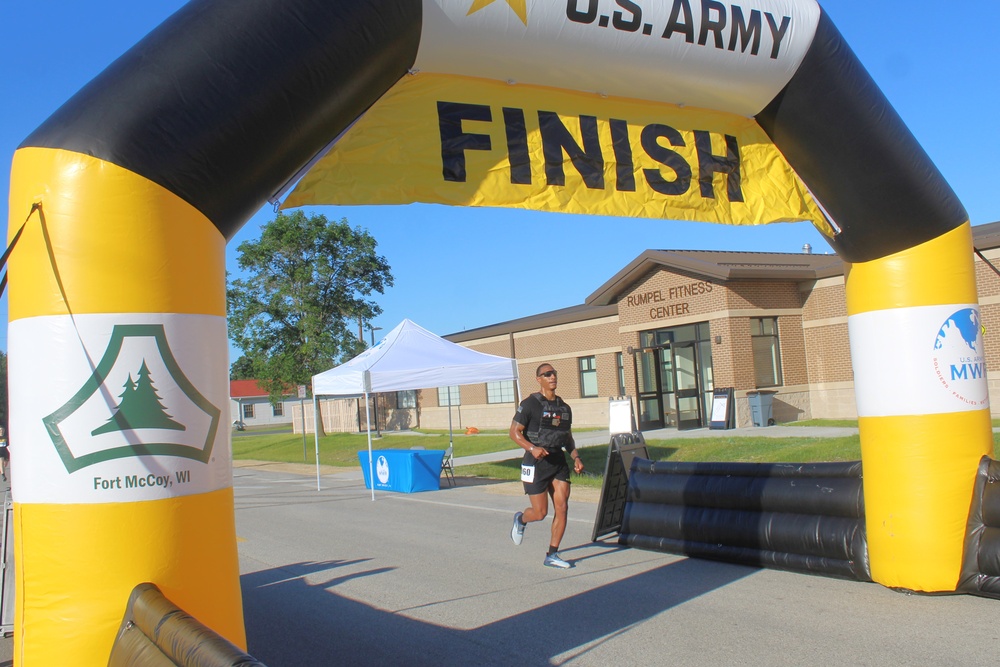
[541, 427]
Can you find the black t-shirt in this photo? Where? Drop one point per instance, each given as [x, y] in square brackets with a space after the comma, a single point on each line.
[546, 423]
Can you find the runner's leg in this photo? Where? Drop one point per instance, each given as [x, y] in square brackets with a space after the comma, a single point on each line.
[538, 510]
[560, 503]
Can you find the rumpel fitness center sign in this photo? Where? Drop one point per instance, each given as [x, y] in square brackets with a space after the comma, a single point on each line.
[665, 296]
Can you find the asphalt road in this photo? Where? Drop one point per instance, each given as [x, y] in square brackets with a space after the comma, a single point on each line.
[332, 578]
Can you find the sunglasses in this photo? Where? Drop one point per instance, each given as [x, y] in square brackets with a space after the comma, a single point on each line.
[547, 374]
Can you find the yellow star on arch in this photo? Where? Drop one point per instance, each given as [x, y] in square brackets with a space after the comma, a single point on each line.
[520, 8]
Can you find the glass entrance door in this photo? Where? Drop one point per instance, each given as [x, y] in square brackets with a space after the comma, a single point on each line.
[657, 400]
[647, 364]
[673, 370]
[687, 393]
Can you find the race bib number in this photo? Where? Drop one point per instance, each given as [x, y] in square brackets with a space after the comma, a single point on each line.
[528, 473]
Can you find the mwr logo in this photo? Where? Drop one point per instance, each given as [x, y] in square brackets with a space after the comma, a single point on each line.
[959, 361]
[382, 470]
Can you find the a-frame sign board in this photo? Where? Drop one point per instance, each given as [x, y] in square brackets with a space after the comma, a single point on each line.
[624, 447]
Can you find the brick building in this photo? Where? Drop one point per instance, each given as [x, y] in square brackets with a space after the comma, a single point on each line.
[673, 325]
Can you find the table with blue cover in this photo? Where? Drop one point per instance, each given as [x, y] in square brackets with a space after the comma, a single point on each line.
[403, 470]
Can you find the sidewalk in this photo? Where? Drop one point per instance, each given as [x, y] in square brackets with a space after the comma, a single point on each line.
[603, 437]
[598, 438]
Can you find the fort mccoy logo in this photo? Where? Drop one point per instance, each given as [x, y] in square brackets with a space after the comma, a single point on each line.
[121, 411]
[959, 360]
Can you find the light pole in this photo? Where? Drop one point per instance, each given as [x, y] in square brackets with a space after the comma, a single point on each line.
[373, 329]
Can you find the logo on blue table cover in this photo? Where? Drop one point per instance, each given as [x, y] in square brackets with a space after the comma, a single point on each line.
[382, 470]
[959, 360]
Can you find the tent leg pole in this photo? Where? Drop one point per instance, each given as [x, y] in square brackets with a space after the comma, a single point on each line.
[517, 378]
[316, 433]
[451, 437]
[371, 466]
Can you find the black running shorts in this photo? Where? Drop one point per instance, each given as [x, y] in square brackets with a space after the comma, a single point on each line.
[537, 474]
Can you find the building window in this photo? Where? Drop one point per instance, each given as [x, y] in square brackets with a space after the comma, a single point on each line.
[406, 399]
[588, 376]
[445, 392]
[278, 410]
[500, 392]
[766, 351]
[248, 411]
[620, 361]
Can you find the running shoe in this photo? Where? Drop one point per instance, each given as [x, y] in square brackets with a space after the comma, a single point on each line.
[517, 531]
[555, 560]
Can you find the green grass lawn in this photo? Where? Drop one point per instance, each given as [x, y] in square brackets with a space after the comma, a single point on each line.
[750, 449]
[850, 423]
[340, 449]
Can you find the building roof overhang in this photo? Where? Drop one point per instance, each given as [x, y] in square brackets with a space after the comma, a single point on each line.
[714, 265]
[718, 266]
[986, 237]
[550, 319]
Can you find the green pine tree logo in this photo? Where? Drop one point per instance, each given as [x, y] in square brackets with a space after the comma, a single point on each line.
[140, 407]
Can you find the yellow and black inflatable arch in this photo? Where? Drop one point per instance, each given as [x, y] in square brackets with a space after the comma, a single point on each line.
[133, 187]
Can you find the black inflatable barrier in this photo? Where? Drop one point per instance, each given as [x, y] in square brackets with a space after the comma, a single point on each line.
[157, 633]
[800, 517]
[981, 561]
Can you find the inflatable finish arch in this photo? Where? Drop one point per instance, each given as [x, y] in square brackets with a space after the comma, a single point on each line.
[132, 188]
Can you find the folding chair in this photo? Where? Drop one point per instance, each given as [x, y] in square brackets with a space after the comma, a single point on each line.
[448, 465]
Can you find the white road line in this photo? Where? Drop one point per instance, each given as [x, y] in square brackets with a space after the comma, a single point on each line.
[464, 506]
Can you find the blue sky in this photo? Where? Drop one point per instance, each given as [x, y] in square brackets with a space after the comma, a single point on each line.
[458, 268]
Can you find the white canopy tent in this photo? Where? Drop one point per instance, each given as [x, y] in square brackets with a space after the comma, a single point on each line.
[408, 357]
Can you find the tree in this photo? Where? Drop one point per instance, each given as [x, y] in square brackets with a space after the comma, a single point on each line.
[296, 311]
[242, 369]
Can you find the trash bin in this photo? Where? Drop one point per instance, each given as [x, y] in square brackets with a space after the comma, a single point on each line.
[761, 403]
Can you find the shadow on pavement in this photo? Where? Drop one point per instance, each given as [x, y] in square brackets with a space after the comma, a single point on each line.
[291, 621]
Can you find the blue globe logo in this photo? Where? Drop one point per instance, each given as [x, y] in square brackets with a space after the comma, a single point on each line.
[963, 323]
[959, 361]
[382, 470]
